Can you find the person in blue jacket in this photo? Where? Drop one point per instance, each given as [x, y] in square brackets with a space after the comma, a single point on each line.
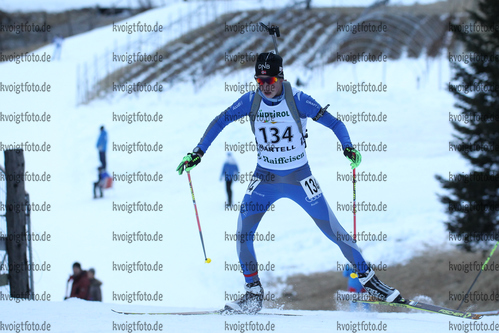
[57, 40]
[102, 146]
[230, 172]
[278, 117]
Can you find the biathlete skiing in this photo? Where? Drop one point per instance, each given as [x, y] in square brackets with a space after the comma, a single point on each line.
[278, 115]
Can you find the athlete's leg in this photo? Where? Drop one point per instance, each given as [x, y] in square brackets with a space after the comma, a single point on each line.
[255, 203]
[260, 196]
[305, 191]
[307, 194]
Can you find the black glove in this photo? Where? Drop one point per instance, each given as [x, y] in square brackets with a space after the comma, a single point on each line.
[353, 155]
[190, 161]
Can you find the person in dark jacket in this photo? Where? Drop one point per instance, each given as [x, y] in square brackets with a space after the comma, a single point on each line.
[81, 283]
[94, 291]
[230, 172]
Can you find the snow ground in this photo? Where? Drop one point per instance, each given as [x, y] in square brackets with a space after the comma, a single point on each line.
[68, 317]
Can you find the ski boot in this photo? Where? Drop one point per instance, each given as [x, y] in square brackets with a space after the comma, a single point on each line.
[378, 289]
[249, 303]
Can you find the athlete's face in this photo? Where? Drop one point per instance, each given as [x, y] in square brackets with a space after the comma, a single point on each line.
[270, 86]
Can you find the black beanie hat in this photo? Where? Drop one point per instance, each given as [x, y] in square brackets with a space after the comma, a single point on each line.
[269, 64]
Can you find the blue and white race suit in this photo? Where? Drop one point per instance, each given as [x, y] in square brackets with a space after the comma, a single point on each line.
[282, 172]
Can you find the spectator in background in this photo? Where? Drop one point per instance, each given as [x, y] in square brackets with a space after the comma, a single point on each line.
[101, 146]
[231, 171]
[94, 291]
[354, 286]
[81, 283]
[58, 47]
[104, 181]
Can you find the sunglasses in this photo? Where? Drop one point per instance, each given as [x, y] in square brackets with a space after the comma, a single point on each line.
[268, 80]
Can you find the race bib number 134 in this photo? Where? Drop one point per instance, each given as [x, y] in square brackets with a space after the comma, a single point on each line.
[311, 187]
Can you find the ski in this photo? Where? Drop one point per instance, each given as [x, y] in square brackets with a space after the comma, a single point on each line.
[488, 313]
[410, 304]
[197, 313]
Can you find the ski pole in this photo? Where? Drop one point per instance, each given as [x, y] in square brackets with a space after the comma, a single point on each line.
[354, 275]
[67, 295]
[354, 208]
[206, 260]
[485, 263]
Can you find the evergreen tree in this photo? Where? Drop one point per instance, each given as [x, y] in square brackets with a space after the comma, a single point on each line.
[473, 203]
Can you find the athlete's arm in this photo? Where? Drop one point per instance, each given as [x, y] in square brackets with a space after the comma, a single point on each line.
[236, 111]
[338, 128]
[310, 108]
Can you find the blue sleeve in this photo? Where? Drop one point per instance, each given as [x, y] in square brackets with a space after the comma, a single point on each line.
[310, 108]
[105, 140]
[239, 109]
[338, 128]
[223, 170]
[102, 141]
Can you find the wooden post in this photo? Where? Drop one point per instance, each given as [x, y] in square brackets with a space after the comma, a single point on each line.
[15, 213]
